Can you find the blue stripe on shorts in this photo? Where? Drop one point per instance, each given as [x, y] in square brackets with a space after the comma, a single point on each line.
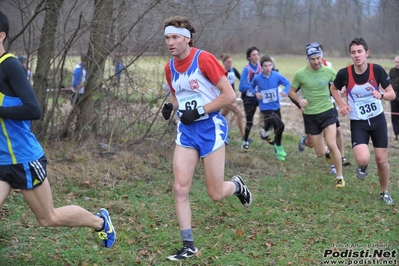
[205, 136]
[28, 173]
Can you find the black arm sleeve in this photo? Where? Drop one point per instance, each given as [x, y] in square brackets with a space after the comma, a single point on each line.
[341, 79]
[237, 73]
[295, 102]
[382, 76]
[14, 83]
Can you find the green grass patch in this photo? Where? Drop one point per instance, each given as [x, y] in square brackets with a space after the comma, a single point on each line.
[297, 212]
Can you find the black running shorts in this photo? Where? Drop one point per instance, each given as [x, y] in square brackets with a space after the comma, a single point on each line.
[25, 175]
[315, 124]
[374, 128]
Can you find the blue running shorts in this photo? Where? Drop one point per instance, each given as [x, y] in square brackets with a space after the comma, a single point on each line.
[205, 136]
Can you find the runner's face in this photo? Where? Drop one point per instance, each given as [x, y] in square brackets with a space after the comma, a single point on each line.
[228, 63]
[84, 62]
[315, 62]
[397, 62]
[267, 67]
[177, 45]
[254, 57]
[358, 54]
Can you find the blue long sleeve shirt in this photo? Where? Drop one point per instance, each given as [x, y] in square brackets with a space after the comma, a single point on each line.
[247, 74]
[79, 76]
[268, 86]
[18, 105]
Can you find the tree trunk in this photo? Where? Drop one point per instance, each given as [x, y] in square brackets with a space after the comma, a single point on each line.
[44, 60]
[99, 49]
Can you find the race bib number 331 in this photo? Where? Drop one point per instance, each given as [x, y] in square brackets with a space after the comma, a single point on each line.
[269, 95]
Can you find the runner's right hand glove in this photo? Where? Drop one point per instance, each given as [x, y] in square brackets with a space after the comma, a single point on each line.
[189, 116]
[167, 110]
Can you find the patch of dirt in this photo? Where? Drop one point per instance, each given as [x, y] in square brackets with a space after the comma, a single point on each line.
[293, 120]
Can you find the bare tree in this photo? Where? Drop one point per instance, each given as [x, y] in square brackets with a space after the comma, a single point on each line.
[54, 32]
[44, 57]
[99, 49]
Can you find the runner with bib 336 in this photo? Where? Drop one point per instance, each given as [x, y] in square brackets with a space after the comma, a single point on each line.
[364, 106]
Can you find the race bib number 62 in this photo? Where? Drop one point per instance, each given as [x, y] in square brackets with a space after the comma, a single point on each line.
[192, 102]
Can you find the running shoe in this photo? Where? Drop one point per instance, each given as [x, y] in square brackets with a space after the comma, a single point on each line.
[245, 146]
[108, 234]
[268, 139]
[243, 193]
[345, 162]
[386, 197]
[361, 172]
[279, 151]
[265, 136]
[184, 253]
[280, 158]
[340, 182]
[327, 156]
[301, 144]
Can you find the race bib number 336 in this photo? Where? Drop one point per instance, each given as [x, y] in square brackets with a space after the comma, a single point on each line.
[368, 109]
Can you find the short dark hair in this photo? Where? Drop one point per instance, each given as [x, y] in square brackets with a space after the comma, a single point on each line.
[4, 24]
[250, 50]
[84, 57]
[22, 59]
[359, 41]
[266, 58]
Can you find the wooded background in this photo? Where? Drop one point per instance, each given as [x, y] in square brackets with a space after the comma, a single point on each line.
[49, 32]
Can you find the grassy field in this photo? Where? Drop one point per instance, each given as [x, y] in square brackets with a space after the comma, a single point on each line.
[296, 218]
[297, 213]
[148, 71]
[288, 65]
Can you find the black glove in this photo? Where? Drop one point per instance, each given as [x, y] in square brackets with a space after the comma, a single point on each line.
[188, 116]
[167, 110]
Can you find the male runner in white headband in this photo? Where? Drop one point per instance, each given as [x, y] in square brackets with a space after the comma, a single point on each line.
[199, 89]
[182, 31]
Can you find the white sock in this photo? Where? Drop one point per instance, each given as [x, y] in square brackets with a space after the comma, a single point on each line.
[264, 133]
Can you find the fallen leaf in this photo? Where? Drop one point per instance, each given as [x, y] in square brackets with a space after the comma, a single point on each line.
[239, 232]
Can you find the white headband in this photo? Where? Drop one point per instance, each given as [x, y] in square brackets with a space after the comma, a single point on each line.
[182, 31]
